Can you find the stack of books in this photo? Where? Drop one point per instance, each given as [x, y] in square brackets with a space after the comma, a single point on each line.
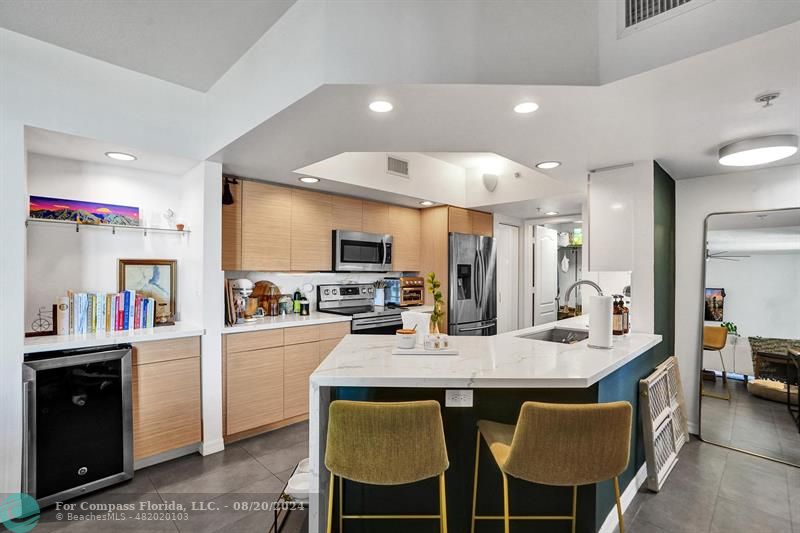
[98, 312]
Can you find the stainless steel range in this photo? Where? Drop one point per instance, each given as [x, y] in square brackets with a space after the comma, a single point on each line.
[357, 301]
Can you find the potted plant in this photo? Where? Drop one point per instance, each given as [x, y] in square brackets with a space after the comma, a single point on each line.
[434, 287]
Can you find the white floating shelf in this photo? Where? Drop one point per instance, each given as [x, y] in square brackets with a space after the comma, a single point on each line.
[112, 227]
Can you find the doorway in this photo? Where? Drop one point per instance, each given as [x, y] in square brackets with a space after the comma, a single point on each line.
[507, 277]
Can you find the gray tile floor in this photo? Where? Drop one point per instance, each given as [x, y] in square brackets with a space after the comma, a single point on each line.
[711, 489]
[251, 470]
[750, 423]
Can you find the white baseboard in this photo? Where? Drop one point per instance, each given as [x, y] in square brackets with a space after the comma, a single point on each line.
[214, 446]
[694, 428]
[626, 498]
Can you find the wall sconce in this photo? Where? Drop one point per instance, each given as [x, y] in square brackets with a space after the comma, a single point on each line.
[490, 181]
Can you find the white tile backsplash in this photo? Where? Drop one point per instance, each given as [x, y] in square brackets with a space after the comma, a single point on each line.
[289, 281]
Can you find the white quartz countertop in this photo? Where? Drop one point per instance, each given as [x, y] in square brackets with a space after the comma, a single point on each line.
[71, 342]
[501, 361]
[286, 321]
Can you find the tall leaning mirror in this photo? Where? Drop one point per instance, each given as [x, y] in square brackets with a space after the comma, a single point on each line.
[751, 333]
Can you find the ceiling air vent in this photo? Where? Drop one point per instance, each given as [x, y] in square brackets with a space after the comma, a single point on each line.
[638, 11]
[398, 167]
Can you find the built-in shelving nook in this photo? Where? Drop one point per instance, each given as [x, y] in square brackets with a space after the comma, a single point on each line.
[160, 216]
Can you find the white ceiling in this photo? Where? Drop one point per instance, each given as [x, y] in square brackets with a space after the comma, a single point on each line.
[678, 114]
[186, 42]
[39, 141]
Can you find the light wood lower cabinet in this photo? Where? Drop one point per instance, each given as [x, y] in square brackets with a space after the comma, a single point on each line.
[266, 386]
[300, 360]
[254, 385]
[166, 396]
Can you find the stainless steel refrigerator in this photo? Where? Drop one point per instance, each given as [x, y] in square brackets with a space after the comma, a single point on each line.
[472, 303]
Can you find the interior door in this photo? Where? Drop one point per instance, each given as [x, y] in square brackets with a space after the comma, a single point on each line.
[507, 277]
[545, 275]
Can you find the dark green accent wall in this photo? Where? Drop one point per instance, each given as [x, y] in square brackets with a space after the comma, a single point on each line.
[624, 383]
[664, 260]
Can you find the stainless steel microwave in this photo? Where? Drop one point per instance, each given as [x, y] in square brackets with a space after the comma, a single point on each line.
[356, 251]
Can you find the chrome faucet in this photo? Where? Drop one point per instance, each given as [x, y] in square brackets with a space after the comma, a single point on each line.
[580, 282]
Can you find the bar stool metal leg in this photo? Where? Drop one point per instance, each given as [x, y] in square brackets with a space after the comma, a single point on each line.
[574, 506]
[330, 505]
[619, 505]
[341, 505]
[475, 483]
[442, 505]
[506, 521]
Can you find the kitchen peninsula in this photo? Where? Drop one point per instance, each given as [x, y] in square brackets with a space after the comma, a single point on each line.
[502, 371]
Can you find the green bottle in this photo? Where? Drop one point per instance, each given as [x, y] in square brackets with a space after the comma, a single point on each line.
[296, 301]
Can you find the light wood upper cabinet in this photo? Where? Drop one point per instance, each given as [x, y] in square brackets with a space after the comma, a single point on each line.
[311, 230]
[459, 220]
[470, 222]
[254, 389]
[232, 229]
[376, 217]
[265, 227]
[300, 360]
[405, 230]
[482, 223]
[348, 213]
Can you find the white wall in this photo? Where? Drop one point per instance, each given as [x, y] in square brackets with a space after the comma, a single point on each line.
[429, 178]
[709, 26]
[762, 293]
[769, 188]
[531, 185]
[52, 88]
[59, 258]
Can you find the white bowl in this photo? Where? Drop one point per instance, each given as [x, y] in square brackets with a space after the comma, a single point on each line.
[298, 486]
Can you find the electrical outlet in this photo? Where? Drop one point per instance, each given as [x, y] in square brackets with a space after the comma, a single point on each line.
[458, 398]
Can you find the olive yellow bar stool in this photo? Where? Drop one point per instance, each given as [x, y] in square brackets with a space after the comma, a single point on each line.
[385, 443]
[561, 445]
[714, 339]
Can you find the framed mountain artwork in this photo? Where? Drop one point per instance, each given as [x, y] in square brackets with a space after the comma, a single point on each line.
[47, 208]
[152, 278]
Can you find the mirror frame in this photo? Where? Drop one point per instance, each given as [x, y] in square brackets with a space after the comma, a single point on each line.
[701, 293]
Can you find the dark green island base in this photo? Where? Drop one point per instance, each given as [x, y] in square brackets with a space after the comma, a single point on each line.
[595, 502]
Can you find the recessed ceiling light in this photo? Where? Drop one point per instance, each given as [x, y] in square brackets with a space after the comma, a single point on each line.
[121, 156]
[309, 179]
[758, 151]
[578, 221]
[426, 203]
[548, 164]
[381, 106]
[551, 213]
[526, 107]
[617, 206]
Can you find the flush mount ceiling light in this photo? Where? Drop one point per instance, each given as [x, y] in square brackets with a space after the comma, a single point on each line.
[551, 213]
[121, 156]
[309, 179]
[426, 203]
[548, 164]
[381, 106]
[758, 150]
[526, 107]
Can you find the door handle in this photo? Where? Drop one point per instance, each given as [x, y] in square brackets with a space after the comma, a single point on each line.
[26, 432]
[383, 253]
[478, 328]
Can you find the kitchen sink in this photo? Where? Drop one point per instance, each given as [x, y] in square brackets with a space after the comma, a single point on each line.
[560, 335]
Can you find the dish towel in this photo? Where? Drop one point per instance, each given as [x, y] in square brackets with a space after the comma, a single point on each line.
[418, 319]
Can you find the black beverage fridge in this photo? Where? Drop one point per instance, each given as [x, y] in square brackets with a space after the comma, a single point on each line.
[78, 428]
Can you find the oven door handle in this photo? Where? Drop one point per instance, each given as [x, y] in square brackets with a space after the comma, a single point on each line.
[362, 325]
